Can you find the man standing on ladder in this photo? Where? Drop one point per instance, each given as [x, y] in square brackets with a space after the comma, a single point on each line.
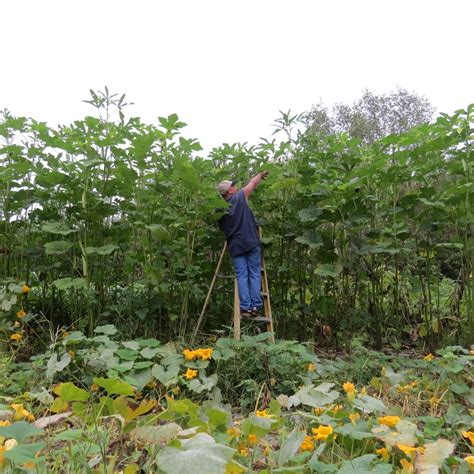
[240, 230]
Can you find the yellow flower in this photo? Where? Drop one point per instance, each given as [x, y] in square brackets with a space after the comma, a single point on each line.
[252, 438]
[263, 414]
[307, 444]
[470, 462]
[363, 391]
[354, 417]
[335, 408]
[25, 289]
[5, 423]
[10, 444]
[318, 411]
[205, 354]
[191, 374]
[407, 466]
[384, 453]
[322, 432]
[349, 387]
[189, 355]
[311, 367]
[243, 451]
[389, 420]
[428, 357]
[16, 337]
[469, 435]
[94, 387]
[20, 314]
[407, 450]
[233, 432]
[21, 412]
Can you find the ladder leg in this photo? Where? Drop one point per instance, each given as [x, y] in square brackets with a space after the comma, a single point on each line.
[208, 296]
[266, 299]
[236, 311]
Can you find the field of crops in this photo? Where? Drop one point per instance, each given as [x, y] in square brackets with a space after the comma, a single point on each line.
[108, 243]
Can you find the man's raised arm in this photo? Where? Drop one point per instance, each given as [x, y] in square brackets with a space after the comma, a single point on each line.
[254, 182]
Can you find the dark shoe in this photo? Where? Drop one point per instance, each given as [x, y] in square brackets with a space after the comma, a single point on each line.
[255, 312]
[246, 313]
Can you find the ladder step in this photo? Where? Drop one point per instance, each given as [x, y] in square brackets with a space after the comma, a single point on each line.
[256, 319]
[220, 275]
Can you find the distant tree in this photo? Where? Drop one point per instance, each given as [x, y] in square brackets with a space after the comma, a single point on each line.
[372, 116]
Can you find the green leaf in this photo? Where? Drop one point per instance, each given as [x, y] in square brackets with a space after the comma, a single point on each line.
[290, 446]
[20, 430]
[70, 393]
[114, 386]
[69, 435]
[165, 376]
[310, 238]
[159, 231]
[108, 329]
[57, 247]
[156, 434]
[149, 352]
[328, 270]
[314, 396]
[127, 354]
[54, 365]
[369, 404]
[57, 228]
[24, 453]
[309, 214]
[198, 455]
[65, 283]
[362, 464]
[359, 431]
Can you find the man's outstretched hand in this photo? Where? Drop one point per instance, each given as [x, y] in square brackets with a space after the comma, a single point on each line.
[265, 174]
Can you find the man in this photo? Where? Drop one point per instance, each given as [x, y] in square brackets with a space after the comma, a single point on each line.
[240, 230]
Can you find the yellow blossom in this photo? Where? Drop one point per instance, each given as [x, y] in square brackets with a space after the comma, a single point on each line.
[407, 466]
[407, 450]
[21, 412]
[469, 435]
[233, 432]
[20, 314]
[243, 451]
[205, 354]
[191, 374]
[307, 444]
[363, 391]
[311, 367]
[25, 289]
[389, 420]
[428, 357]
[94, 387]
[470, 462]
[348, 387]
[252, 438]
[10, 444]
[322, 432]
[354, 417]
[384, 453]
[263, 414]
[189, 355]
[5, 423]
[318, 411]
[335, 408]
[16, 337]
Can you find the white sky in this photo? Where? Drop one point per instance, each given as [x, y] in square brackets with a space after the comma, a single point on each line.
[227, 67]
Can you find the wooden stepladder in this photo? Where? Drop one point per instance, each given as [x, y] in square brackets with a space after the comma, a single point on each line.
[265, 292]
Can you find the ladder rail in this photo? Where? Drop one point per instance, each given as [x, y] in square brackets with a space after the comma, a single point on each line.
[208, 296]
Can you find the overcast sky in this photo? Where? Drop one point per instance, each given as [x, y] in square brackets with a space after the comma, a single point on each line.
[227, 67]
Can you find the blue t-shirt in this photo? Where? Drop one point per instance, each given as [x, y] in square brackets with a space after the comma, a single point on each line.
[239, 226]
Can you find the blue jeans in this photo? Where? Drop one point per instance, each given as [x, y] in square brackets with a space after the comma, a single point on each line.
[247, 268]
